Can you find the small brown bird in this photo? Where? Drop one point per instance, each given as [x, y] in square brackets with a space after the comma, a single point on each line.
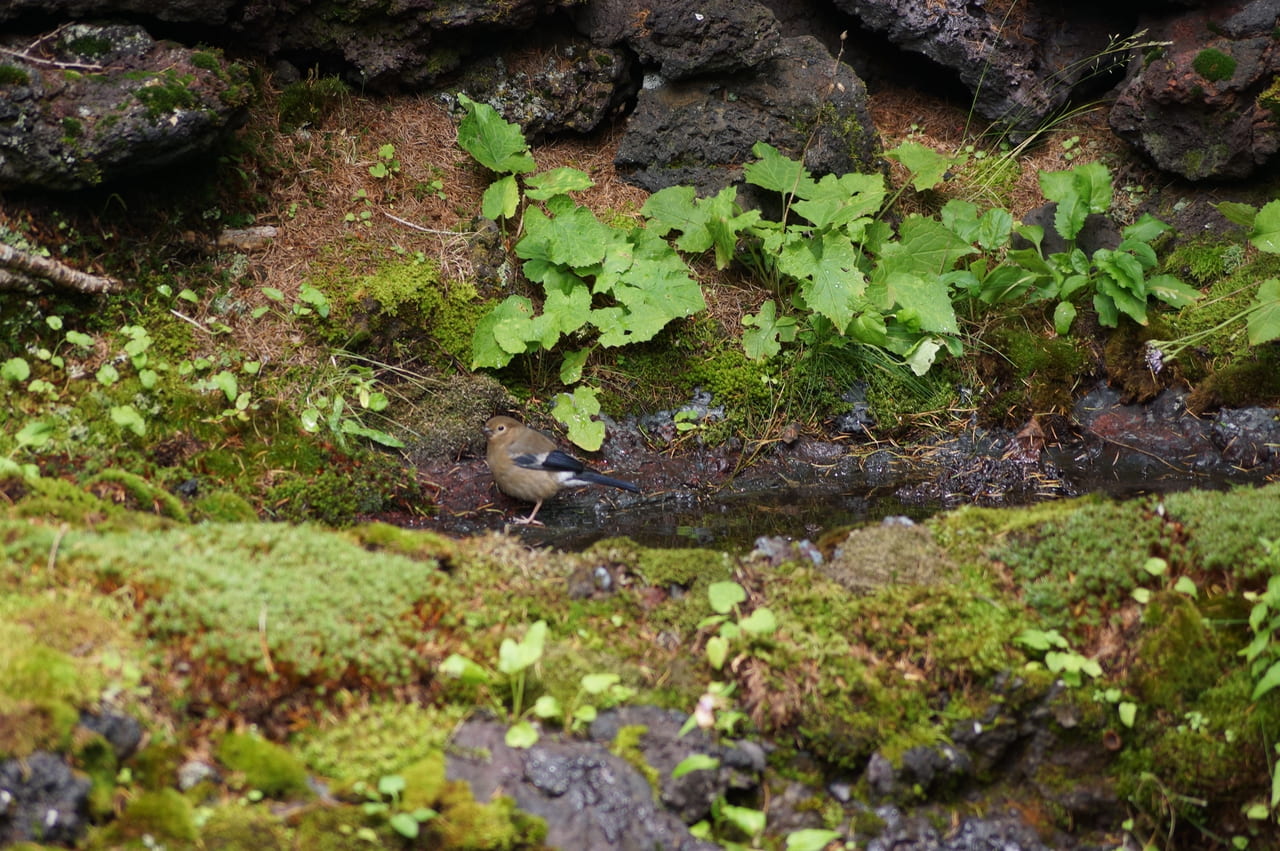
[527, 465]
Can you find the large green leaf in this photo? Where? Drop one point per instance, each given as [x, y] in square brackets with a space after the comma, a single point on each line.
[830, 280]
[927, 166]
[1172, 291]
[1266, 228]
[673, 208]
[577, 411]
[1083, 190]
[495, 143]
[925, 246]
[778, 173]
[655, 290]
[837, 201]
[926, 299]
[1238, 213]
[1264, 318]
[568, 300]
[508, 331]
[1146, 228]
[557, 181]
[571, 236]
[766, 332]
[991, 230]
[703, 223]
[501, 199]
[1122, 299]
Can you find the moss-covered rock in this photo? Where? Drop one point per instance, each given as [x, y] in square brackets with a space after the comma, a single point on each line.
[264, 766]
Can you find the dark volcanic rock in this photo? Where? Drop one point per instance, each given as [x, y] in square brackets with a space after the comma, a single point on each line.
[1207, 105]
[42, 800]
[590, 799]
[553, 83]
[89, 104]
[1022, 61]
[699, 132]
[679, 40]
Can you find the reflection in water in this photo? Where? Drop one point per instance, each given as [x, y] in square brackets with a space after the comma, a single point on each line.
[730, 521]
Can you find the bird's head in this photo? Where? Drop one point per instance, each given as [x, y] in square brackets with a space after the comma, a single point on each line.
[499, 425]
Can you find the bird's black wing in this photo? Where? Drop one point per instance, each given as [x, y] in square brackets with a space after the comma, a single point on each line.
[555, 461]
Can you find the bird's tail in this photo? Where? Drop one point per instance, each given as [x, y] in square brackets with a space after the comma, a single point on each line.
[597, 478]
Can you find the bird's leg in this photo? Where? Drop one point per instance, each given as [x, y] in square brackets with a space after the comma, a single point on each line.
[529, 521]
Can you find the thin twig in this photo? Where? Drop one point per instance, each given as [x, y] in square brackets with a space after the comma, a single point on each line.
[410, 224]
[189, 319]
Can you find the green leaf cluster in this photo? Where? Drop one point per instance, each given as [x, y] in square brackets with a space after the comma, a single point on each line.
[841, 273]
[837, 269]
[599, 282]
[1117, 277]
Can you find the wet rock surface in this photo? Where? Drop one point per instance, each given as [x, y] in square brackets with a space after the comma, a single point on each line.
[42, 799]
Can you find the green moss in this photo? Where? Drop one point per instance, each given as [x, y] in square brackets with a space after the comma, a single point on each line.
[168, 93]
[72, 128]
[747, 390]
[1215, 320]
[136, 493]
[207, 60]
[1214, 65]
[424, 780]
[1079, 563]
[95, 756]
[12, 75]
[1205, 261]
[333, 612]
[1179, 655]
[626, 745]
[41, 692]
[466, 823]
[1223, 530]
[1254, 381]
[834, 668]
[307, 102]
[665, 568]
[164, 815]
[57, 499]
[382, 738]
[223, 506]
[90, 45]
[238, 828]
[411, 295]
[873, 557]
[371, 484]
[412, 543]
[1202, 765]
[1270, 99]
[266, 766]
